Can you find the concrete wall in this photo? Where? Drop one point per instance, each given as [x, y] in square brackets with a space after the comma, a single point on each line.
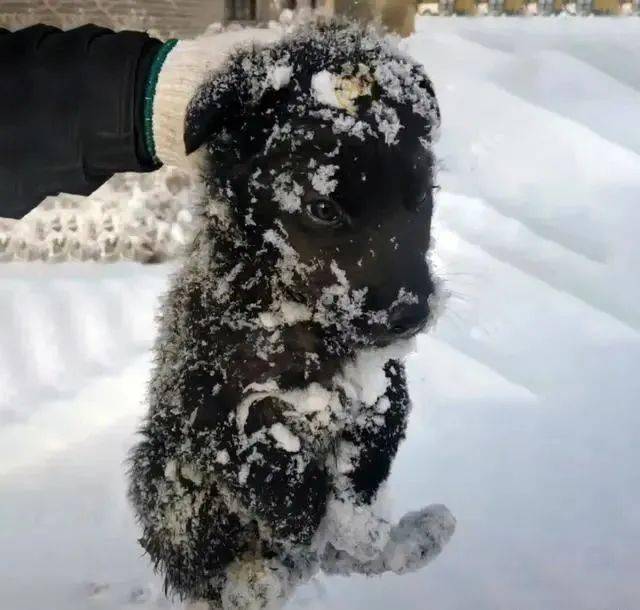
[165, 18]
[396, 15]
[186, 18]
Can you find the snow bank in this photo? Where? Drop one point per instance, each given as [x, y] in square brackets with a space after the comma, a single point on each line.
[148, 218]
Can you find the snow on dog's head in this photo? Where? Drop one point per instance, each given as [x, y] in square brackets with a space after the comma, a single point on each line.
[319, 176]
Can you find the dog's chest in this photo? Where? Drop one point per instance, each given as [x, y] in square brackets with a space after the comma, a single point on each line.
[357, 391]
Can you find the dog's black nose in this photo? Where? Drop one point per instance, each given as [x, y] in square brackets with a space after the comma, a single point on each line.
[407, 319]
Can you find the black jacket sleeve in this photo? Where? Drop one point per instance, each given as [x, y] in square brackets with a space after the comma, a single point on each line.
[71, 111]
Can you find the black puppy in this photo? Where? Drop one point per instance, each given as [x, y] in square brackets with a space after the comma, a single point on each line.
[279, 397]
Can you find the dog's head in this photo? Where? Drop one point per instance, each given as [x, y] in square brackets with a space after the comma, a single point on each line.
[319, 150]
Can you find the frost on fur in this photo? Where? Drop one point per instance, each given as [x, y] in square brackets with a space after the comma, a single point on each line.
[279, 397]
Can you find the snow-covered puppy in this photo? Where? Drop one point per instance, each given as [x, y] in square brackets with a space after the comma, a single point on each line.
[279, 396]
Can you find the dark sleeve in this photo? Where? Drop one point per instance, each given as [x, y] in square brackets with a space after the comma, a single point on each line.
[71, 111]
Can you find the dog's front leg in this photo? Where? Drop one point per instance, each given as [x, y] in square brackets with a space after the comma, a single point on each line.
[358, 540]
[281, 474]
[412, 543]
[376, 435]
[365, 454]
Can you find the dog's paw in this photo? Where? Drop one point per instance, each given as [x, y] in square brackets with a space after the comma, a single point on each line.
[412, 543]
[198, 605]
[418, 538]
[255, 584]
[355, 530]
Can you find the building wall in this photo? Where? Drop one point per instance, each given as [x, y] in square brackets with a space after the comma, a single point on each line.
[267, 10]
[166, 18]
[397, 15]
[607, 7]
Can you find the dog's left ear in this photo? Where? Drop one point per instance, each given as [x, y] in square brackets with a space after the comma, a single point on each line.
[235, 109]
[244, 117]
[209, 111]
[424, 82]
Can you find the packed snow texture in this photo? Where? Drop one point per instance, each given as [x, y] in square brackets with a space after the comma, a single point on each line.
[141, 217]
[525, 395]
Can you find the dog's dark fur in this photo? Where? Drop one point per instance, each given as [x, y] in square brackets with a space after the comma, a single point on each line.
[212, 486]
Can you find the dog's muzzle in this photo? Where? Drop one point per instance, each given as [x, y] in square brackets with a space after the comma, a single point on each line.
[404, 321]
[407, 320]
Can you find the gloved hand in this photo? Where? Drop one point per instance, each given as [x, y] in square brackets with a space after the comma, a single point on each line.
[175, 76]
[80, 105]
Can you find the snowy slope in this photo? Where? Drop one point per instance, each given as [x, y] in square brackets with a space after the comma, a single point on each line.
[526, 394]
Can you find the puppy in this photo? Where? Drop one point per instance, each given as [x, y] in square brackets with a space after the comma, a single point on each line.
[279, 398]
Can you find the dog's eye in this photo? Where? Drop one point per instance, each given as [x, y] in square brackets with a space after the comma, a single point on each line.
[325, 211]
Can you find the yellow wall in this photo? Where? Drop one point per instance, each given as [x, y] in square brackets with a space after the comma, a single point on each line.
[466, 7]
[513, 7]
[606, 6]
[397, 15]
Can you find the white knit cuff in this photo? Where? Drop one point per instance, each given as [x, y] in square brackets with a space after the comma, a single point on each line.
[185, 69]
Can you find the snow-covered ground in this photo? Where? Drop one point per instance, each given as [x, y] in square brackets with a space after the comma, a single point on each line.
[526, 394]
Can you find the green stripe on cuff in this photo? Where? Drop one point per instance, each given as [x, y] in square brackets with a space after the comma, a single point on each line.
[149, 95]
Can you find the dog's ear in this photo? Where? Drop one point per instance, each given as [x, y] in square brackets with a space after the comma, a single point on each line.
[234, 108]
[246, 119]
[208, 112]
[425, 83]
